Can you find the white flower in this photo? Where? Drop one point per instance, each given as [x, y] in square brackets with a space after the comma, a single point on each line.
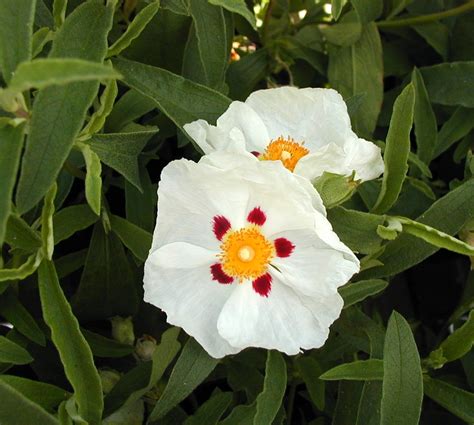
[243, 256]
[308, 130]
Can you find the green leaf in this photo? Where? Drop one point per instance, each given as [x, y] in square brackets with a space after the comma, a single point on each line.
[106, 347]
[426, 128]
[396, 150]
[456, 400]
[72, 219]
[357, 229]
[369, 405]
[18, 409]
[120, 151]
[310, 371]
[40, 38]
[13, 353]
[210, 30]
[45, 395]
[334, 189]
[368, 10]
[75, 354]
[450, 83]
[274, 386]
[211, 411]
[138, 381]
[15, 39]
[353, 293]
[133, 237]
[460, 341]
[23, 271]
[346, 32]
[239, 7]
[98, 118]
[448, 214]
[402, 378]
[59, 112]
[59, 12]
[41, 73]
[193, 366]
[107, 287]
[134, 30]
[436, 35]
[11, 143]
[20, 235]
[13, 311]
[358, 69]
[93, 177]
[454, 129]
[348, 401]
[70, 263]
[360, 370]
[47, 212]
[140, 207]
[336, 8]
[181, 100]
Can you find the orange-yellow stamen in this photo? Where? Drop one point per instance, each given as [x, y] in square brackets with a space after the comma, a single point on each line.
[287, 151]
[246, 253]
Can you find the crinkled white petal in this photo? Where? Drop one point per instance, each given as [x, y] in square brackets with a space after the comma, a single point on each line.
[319, 264]
[357, 155]
[280, 321]
[314, 115]
[187, 293]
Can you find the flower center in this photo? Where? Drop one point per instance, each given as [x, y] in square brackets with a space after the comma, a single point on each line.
[246, 253]
[287, 151]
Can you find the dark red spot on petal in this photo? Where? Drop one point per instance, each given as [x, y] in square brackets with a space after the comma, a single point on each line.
[255, 153]
[283, 247]
[219, 274]
[257, 216]
[220, 226]
[263, 284]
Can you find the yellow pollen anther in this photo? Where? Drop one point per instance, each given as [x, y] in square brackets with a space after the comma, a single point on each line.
[287, 151]
[246, 253]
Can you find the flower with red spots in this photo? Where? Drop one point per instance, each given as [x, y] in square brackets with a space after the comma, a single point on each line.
[307, 130]
[243, 256]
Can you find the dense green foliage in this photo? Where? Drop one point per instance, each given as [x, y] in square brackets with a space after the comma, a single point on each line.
[94, 95]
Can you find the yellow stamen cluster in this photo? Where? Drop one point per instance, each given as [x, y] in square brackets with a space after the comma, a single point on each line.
[287, 151]
[246, 253]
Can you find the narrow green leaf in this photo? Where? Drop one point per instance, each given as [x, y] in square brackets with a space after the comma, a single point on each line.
[93, 177]
[211, 411]
[18, 409]
[369, 405]
[460, 341]
[41, 73]
[457, 401]
[274, 386]
[40, 38]
[360, 370]
[359, 69]
[16, 29]
[140, 207]
[193, 366]
[138, 381]
[70, 263]
[434, 236]
[45, 395]
[352, 293]
[47, 234]
[181, 100]
[134, 30]
[11, 144]
[426, 128]
[133, 237]
[402, 377]
[336, 8]
[98, 118]
[239, 7]
[59, 112]
[334, 189]
[310, 371]
[23, 271]
[348, 401]
[13, 311]
[368, 10]
[72, 219]
[75, 354]
[20, 235]
[106, 347]
[450, 83]
[120, 151]
[454, 129]
[59, 12]
[11, 352]
[396, 150]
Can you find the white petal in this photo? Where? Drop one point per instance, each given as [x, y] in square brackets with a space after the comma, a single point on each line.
[314, 115]
[280, 321]
[319, 264]
[182, 255]
[365, 158]
[190, 298]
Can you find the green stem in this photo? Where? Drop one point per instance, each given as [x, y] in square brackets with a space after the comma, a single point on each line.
[425, 19]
